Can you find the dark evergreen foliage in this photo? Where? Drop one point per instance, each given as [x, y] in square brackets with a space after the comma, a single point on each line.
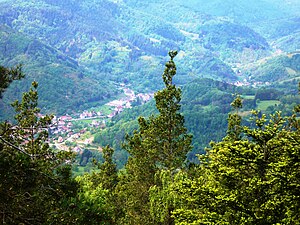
[34, 178]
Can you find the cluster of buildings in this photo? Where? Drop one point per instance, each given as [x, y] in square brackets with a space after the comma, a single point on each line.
[254, 84]
[61, 125]
[126, 102]
[63, 129]
[89, 115]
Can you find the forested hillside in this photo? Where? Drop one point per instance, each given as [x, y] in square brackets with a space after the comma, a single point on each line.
[64, 86]
[127, 41]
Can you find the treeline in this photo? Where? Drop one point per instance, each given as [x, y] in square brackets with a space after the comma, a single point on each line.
[251, 176]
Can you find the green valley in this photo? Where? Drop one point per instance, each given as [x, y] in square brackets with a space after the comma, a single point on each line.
[80, 51]
[149, 112]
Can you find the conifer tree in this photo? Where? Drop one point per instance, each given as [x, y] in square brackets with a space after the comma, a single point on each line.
[9, 75]
[33, 177]
[109, 169]
[108, 175]
[234, 129]
[174, 142]
[161, 142]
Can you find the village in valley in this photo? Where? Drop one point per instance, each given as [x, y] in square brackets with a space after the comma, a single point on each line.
[70, 132]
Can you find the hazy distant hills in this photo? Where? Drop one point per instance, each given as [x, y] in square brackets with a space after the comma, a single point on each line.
[76, 48]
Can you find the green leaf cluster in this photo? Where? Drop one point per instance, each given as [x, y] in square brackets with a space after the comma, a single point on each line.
[251, 177]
